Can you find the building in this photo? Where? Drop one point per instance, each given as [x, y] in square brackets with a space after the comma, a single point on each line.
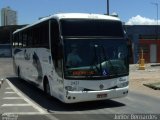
[8, 16]
[146, 38]
[6, 39]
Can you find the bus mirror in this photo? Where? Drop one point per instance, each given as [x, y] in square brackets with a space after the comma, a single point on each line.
[60, 51]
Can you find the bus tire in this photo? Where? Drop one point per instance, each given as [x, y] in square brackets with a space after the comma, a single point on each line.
[47, 87]
[18, 72]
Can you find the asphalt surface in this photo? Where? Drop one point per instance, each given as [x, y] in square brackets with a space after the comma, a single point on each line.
[21, 100]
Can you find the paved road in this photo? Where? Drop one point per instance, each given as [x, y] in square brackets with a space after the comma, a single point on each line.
[19, 97]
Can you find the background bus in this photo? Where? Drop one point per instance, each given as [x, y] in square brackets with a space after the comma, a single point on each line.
[74, 57]
[5, 50]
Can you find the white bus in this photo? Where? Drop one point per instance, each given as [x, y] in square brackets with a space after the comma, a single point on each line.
[74, 57]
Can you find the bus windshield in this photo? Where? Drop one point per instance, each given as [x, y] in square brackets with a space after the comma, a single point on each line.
[98, 57]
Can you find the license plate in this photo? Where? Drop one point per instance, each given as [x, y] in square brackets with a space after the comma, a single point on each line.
[101, 95]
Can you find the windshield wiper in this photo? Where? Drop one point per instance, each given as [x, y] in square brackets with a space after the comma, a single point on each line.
[106, 58]
[98, 60]
[95, 59]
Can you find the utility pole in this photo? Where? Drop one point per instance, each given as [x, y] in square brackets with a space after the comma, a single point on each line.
[107, 7]
[156, 4]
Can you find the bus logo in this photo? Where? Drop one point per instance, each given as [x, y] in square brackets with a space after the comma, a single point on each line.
[101, 86]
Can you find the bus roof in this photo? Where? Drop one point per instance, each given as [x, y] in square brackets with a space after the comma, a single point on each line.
[71, 16]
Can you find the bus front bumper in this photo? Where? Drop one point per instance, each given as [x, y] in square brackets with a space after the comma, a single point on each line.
[82, 96]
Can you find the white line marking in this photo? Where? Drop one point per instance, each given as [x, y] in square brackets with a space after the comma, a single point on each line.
[11, 105]
[34, 105]
[11, 98]
[10, 93]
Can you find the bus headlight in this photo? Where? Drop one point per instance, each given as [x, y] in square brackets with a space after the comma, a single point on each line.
[70, 88]
[124, 84]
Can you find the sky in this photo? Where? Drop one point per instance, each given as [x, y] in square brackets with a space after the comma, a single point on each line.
[130, 11]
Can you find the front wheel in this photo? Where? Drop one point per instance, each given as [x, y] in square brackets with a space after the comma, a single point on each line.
[47, 88]
[18, 72]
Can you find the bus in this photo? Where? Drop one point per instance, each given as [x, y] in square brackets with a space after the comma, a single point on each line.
[74, 57]
[5, 50]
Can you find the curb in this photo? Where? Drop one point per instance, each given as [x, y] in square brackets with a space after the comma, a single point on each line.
[155, 65]
[155, 86]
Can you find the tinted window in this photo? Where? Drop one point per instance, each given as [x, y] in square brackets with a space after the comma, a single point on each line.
[35, 36]
[84, 27]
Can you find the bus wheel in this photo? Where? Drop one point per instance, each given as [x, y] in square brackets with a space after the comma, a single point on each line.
[18, 72]
[47, 87]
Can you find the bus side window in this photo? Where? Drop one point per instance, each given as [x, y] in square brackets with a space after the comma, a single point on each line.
[24, 37]
[15, 40]
[20, 40]
[30, 40]
[56, 47]
[44, 33]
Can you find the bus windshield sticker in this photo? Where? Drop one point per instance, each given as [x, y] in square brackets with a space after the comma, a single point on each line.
[105, 72]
